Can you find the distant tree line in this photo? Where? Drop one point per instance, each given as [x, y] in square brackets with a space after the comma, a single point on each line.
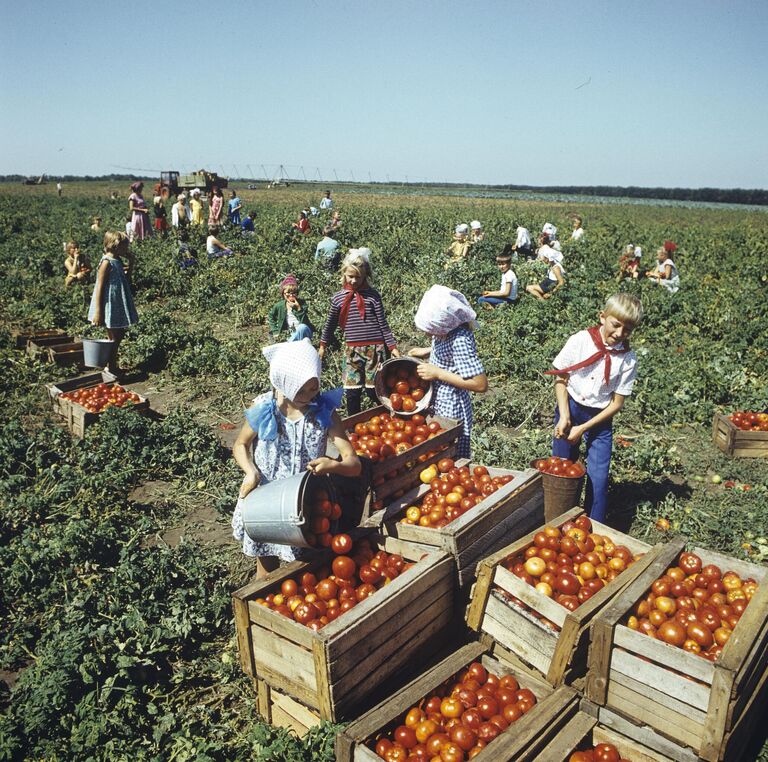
[754, 196]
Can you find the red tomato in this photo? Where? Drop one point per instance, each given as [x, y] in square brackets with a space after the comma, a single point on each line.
[343, 567]
[396, 400]
[341, 544]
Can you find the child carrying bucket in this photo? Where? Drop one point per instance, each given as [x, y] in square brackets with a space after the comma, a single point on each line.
[594, 374]
[286, 432]
[112, 301]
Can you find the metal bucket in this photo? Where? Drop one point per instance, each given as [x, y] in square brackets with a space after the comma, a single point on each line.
[561, 493]
[381, 390]
[274, 512]
[96, 352]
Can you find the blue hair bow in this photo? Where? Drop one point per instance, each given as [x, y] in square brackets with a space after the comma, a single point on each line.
[262, 418]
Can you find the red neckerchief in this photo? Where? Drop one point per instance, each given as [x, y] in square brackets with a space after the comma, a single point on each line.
[602, 352]
[344, 311]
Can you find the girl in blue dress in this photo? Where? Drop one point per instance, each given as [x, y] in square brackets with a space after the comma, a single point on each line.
[286, 432]
[454, 367]
[112, 301]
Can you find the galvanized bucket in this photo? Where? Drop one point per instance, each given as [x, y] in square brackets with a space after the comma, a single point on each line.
[274, 512]
[96, 352]
[394, 363]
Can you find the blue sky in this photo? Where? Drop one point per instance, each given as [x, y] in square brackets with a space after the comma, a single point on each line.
[550, 92]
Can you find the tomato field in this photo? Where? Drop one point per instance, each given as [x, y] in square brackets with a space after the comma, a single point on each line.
[117, 639]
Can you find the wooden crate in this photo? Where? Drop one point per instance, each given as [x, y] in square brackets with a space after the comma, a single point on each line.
[335, 670]
[39, 345]
[66, 354]
[710, 707]
[385, 483]
[511, 511]
[282, 711]
[22, 337]
[578, 728]
[353, 745]
[736, 442]
[77, 418]
[559, 655]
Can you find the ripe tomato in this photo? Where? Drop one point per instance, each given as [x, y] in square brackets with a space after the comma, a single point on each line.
[343, 567]
[396, 401]
[409, 404]
[341, 544]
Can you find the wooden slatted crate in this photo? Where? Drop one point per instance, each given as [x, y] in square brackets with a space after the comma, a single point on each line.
[354, 744]
[385, 480]
[39, 345]
[23, 336]
[709, 707]
[736, 442]
[66, 354]
[560, 655]
[577, 729]
[77, 418]
[335, 670]
[511, 511]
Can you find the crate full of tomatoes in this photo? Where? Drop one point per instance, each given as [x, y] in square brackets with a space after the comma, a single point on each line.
[537, 597]
[743, 434]
[82, 400]
[398, 447]
[467, 509]
[313, 629]
[684, 650]
[468, 706]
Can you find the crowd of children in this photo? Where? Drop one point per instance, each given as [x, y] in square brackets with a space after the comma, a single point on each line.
[286, 430]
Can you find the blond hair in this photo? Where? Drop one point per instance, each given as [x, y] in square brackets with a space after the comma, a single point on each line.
[625, 307]
[112, 241]
[356, 261]
[70, 246]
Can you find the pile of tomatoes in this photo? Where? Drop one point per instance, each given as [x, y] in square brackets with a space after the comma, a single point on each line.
[457, 721]
[559, 467]
[357, 571]
[404, 389]
[693, 607]
[749, 421]
[320, 512]
[569, 564]
[601, 752]
[453, 491]
[385, 436]
[96, 399]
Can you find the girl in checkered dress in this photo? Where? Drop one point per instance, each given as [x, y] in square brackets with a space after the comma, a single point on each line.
[453, 367]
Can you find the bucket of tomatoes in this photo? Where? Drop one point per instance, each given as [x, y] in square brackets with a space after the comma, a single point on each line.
[299, 510]
[562, 480]
[399, 387]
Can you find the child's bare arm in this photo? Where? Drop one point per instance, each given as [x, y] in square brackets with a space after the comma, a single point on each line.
[98, 315]
[561, 395]
[241, 451]
[420, 352]
[349, 465]
[430, 372]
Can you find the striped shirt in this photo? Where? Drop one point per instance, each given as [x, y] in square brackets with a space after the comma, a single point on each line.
[359, 332]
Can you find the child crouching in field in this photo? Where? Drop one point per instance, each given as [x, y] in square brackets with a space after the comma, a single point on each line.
[76, 264]
[665, 273]
[629, 262]
[507, 293]
[286, 432]
[594, 374]
[555, 279]
[112, 301]
[289, 315]
[453, 365]
[358, 310]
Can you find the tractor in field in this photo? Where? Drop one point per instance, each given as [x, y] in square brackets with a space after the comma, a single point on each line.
[205, 181]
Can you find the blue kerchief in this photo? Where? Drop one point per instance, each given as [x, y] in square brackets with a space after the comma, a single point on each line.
[262, 418]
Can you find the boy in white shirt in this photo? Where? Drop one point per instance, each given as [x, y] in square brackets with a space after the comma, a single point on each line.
[507, 293]
[595, 372]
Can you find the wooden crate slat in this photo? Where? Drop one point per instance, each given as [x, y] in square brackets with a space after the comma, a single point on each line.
[301, 691]
[295, 662]
[754, 666]
[280, 625]
[753, 713]
[529, 595]
[646, 736]
[243, 632]
[532, 642]
[737, 442]
[379, 643]
[350, 690]
[568, 738]
[661, 696]
[688, 691]
[627, 748]
[675, 726]
[661, 652]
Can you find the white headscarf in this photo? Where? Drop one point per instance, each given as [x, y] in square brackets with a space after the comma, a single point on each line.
[550, 230]
[291, 365]
[462, 228]
[441, 310]
[475, 225]
[364, 252]
[638, 252]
